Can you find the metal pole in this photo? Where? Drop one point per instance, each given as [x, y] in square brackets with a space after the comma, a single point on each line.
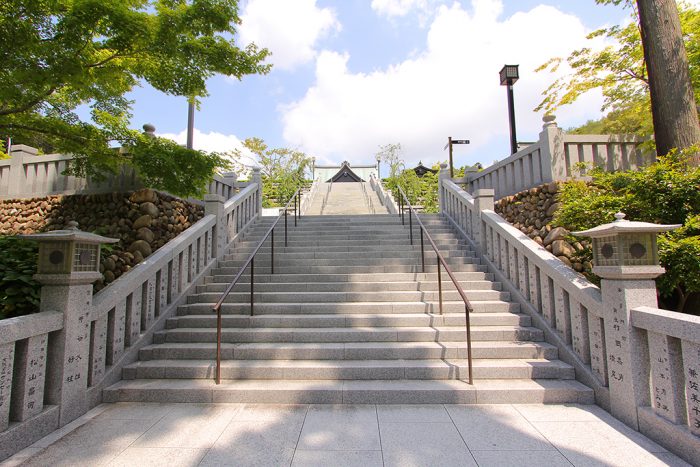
[422, 252]
[410, 224]
[252, 281]
[295, 210]
[452, 172]
[285, 226]
[272, 251]
[218, 346]
[190, 123]
[469, 342]
[439, 284]
[511, 116]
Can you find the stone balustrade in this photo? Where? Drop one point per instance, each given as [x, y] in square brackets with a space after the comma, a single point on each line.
[642, 363]
[384, 196]
[28, 175]
[54, 364]
[553, 158]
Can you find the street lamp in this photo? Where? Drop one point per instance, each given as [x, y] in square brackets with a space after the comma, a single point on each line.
[379, 159]
[509, 75]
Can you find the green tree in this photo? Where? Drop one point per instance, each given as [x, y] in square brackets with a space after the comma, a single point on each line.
[60, 55]
[283, 170]
[620, 72]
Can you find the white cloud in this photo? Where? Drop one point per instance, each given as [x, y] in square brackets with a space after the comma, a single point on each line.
[288, 29]
[392, 8]
[450, 89]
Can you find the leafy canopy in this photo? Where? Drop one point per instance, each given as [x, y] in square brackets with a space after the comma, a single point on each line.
[619, 71]
[282, 169]
[61, 55]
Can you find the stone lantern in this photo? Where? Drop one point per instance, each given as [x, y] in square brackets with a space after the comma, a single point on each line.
[69, 252]
[625, 249]
[69, 262]
[625, 257]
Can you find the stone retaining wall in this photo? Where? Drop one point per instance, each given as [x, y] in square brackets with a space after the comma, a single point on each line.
[531, 211]
[143, 220]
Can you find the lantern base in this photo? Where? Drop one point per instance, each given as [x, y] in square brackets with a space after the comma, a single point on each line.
[628, 272]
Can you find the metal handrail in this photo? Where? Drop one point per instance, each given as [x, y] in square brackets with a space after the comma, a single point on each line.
[251, 262]
[440, 260]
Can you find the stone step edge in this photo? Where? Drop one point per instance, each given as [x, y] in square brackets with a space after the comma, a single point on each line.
[495, 391]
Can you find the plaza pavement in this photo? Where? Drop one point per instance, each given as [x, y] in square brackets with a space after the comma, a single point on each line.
[172, 435]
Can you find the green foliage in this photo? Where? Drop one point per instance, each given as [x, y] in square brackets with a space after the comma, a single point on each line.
[165, 165]
[60, 55]
[679, 252]
[19, 293]
[3, 151]
[283, 170]
[666, 192]
[420, 191]
[619, 71]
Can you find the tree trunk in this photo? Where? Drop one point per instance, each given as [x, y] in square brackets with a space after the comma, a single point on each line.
[672, 99]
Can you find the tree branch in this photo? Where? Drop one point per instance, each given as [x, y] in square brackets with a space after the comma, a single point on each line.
[30, 104]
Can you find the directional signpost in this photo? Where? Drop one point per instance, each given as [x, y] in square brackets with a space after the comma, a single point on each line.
[449, 144]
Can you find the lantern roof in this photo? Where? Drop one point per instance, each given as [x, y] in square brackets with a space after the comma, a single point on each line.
[622, 225]
[71, 234]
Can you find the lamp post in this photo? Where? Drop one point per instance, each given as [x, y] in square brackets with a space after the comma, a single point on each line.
[190, 123]
[509, 75]
[379, 159]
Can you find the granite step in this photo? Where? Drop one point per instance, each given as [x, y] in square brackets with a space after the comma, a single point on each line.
[496, 391]
[347, 334]
[350, 350]
[349, 297]
[339, 320]
[350, 369]
[264, 308]
[299, 287]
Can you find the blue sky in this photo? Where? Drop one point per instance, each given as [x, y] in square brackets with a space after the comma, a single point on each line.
[349, 75]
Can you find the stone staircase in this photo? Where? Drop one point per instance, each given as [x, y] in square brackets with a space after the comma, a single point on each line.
[348, 317]
[346, 199]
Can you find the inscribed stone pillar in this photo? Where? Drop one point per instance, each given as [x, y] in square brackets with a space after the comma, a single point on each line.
[214, 204]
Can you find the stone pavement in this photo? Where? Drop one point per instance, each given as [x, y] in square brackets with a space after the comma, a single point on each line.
[153, 434]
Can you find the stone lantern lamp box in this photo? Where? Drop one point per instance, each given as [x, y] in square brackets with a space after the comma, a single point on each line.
[69, 252]
[623, 248]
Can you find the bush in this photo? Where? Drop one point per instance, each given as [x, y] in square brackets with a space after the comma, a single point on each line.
[666, 192]
[19, 293]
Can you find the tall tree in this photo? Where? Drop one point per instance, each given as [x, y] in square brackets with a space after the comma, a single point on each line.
[60, 56]
[673, 104]
[283, 170]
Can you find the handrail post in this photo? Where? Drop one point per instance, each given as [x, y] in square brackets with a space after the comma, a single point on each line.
[252, 284]
[469, 342]
[272, 251]
[218, 345]
[439, 283]
[295, 210]
[422, 252]
[285, 226]
[410, 224]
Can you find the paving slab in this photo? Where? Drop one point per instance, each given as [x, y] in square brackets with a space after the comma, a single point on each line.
[363, 435]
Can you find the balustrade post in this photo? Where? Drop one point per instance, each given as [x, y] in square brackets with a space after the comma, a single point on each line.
[625, 258]
[17, 178]
[552, 155]
[68, 265]
[442, 176]
[257, 178]
[214, 204]
[483, 199]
